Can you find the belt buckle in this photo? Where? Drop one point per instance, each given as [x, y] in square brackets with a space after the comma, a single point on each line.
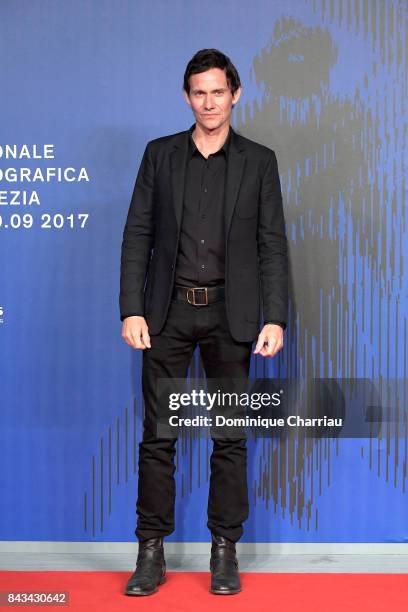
[194, 289]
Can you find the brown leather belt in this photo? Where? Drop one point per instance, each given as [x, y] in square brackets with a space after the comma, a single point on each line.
[198, 296]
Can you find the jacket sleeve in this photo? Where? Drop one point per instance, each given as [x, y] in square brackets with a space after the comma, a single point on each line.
[138, 237]
[272, 246]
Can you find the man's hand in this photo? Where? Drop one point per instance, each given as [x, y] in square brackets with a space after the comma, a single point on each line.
[135, 332]
[273, 335]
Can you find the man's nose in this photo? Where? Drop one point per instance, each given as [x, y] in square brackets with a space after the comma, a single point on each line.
[209, 102]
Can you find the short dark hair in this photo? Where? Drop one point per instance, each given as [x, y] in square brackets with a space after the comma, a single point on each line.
[205, 59]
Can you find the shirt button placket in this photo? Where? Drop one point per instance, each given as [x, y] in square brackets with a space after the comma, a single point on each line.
[201, 265]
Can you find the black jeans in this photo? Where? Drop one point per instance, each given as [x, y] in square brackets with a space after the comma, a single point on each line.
[169, 357]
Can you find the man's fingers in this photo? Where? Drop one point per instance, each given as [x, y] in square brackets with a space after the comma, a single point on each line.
[134, 340]
[135, 332]
[274, 345]
[271, 351]
[138, 342]
[266, 351]
[146, 337]
[259, 344]
[271, 347]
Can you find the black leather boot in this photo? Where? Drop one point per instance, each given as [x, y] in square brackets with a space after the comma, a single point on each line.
[150, 568]
[224, 567]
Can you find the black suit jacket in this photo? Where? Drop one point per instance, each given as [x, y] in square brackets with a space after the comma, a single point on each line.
[256, 267]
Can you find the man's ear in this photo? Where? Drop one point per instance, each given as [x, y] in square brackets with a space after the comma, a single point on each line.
[236, 96]
[186, 97]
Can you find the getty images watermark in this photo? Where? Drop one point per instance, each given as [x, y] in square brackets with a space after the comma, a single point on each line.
[264, 407]
[254, 401]
[230, 407]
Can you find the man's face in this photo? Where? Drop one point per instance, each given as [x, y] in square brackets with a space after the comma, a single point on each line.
[210, 98]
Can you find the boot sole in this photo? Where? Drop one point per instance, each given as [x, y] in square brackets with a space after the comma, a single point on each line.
[230, 592]
[130, 592]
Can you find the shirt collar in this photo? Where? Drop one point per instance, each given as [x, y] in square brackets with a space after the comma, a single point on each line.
[193, 146]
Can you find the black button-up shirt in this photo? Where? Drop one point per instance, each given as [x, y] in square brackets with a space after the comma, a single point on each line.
[201, 255]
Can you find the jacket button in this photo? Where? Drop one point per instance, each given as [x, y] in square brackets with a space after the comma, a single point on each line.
[172, 266]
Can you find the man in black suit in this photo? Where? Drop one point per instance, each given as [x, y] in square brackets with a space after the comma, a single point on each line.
[203, 262]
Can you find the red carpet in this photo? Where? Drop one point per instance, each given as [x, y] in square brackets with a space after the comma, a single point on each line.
[96, 591]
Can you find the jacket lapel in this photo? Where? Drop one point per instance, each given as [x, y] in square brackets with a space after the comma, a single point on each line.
[233, 178]
[178, 159]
